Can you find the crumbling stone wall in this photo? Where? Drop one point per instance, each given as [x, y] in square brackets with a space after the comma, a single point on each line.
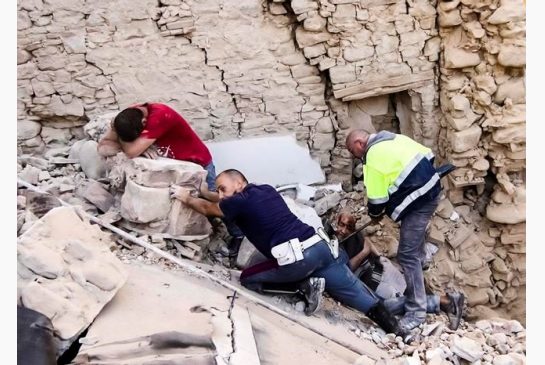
[483, 132]
[230, 70]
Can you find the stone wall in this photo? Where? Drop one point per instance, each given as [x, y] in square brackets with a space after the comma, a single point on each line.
[231, 69]
[483, 132]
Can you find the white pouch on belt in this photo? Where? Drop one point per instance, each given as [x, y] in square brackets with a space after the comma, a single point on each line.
[288, 252]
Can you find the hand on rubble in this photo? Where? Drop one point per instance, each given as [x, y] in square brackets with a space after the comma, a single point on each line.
[180, 193]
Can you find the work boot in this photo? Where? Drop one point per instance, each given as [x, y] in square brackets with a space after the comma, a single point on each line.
[232, 247]
[454, 309]
[411, 320]
[312, 289]
[386, 320]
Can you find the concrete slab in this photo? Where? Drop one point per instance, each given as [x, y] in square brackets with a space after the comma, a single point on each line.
[275, 160]
[66, 272]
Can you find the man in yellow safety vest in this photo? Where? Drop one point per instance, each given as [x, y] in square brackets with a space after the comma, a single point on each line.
[402, 183]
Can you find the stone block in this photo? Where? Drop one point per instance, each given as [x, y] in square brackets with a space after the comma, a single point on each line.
[514, 89]
[352, 54]
[315, 23]
[27, 129]
[464, 140]
[303, 6]
[67, 272]
[305, 38]
[511, 11]
[141, 204]
[512, 56]
[74, 42]
[513, 134]
[460, 58]
[92, 164]
[467, 349]
[458, 236]
[96, 194]
[342, 74]
[146, 202]
[56, 135]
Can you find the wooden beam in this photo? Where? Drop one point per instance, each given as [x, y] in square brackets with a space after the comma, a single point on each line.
[386, 90]
[405, 81]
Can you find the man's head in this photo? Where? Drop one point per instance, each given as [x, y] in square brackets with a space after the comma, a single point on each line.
[129, 124]
[230, 182]
[356, 142]
[346, 224]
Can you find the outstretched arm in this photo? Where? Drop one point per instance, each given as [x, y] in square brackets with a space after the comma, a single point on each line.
[211, 196]
[205, 207]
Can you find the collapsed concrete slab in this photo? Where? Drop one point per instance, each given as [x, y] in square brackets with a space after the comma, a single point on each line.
[146, 205]
[277, 160]
[65, 270]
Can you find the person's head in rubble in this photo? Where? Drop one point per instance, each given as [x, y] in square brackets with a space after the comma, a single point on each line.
[230, 182]
[346, 224]
[130, 123]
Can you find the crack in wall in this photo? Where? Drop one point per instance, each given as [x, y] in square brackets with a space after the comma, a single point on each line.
[229, 315]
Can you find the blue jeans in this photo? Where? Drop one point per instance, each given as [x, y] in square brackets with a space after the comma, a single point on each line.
[396, 305]
[232, 228]
[410, 253]
[211, 176]
[340, 283]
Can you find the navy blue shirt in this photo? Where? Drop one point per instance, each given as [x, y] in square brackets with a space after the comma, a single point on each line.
[263, 216]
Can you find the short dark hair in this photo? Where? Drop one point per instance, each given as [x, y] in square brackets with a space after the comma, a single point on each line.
[234, 174]
[128, 124]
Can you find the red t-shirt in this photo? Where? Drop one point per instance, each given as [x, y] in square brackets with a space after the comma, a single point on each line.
[174, 136]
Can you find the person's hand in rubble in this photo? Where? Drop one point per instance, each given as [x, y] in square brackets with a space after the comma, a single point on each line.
[181, 193]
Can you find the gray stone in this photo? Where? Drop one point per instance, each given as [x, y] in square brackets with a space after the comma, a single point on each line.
[74, 42]
[352, 54]
[305, 38]
[96, 194]
[315, 23]
[467, 349]
[56, 135]
[57, 107]
[326, 203]
[30, 174]
[27, 129]
[511, 11]
[92, 164]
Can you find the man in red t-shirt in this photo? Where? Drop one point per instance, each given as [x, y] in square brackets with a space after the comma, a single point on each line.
[135, 129]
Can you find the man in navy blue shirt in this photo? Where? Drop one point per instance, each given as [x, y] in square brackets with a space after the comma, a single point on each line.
[263, 216]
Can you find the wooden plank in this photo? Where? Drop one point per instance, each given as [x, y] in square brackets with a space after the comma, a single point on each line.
[386, 90]
[397, 81]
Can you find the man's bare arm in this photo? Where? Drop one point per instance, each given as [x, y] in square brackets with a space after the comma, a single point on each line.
[207, 194]
[356, 261]
[109, 144]
[205, 207]
[136, 147]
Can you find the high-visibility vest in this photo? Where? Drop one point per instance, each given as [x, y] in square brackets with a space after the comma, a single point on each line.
[397, 174]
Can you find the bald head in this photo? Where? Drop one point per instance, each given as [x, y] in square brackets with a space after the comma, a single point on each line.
[230, 182]
[356, 142]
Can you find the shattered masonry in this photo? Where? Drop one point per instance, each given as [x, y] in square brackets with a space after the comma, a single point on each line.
[315, 69]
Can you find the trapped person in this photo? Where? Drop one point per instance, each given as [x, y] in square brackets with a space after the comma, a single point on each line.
[401, 182]
[382, 276]
[299, 259]
[155, 129]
